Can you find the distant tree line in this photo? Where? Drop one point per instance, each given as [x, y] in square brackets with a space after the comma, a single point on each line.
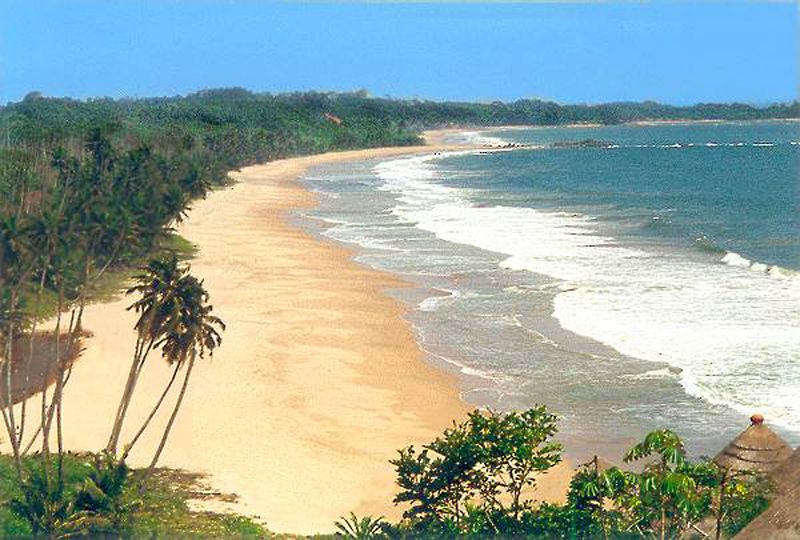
[249, 127]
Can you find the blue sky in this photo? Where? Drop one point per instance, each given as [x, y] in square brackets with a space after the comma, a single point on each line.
[675, 52]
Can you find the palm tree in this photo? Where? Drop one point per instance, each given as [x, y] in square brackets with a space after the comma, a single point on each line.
[143, 427]
[194, 332]
[44, 237]
[156, 307]
[16, 266]
[362, 528]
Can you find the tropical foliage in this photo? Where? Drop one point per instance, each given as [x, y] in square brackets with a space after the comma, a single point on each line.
[67, 218]
[477, 470]
[102, 500]
[360, 528]
[479, 479]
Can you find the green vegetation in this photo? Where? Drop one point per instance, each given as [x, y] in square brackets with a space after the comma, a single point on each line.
[52, 493]
[98, 499]
[478, 479]
[360, 528]
[80, 205]
[241, 127]
[477, 470]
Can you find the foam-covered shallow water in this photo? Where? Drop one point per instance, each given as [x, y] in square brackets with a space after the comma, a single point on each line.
[625, 283]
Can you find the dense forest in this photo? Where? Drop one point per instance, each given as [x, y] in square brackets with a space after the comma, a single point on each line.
[264, 126]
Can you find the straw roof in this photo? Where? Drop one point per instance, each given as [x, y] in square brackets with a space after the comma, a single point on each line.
[756, 449]
[782, 519]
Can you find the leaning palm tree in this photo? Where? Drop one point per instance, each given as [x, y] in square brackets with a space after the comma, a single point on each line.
[157, 306]
[193, 332]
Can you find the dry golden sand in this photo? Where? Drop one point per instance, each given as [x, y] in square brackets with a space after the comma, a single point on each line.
[318, 381]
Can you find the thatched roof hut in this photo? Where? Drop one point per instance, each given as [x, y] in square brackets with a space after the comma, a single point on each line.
[756, 449]
[782, 519]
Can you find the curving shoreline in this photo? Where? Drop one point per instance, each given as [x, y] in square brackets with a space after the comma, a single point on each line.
[318, 381]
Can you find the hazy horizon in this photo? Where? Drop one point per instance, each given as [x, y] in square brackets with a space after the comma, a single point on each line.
[255, 92]
[674, 53]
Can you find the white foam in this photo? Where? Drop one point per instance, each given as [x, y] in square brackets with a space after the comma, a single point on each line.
[663, 373]
[733, 332]
[479, 138]
[693, 145]
[432, 303]
[734, 259]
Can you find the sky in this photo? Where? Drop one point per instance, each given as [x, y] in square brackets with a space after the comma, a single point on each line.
[677, 52]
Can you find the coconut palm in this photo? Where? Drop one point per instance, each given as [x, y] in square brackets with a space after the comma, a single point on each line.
[362, 528]
[16, 266]
[157, 306]
[193, 332]
[44, 235]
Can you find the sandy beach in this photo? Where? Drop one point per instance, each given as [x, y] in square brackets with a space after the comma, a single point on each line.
[318, 381]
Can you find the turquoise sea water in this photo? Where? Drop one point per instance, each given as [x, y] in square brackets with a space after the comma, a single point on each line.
[648, 278]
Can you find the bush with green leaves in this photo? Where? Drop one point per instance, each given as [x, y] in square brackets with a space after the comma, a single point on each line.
[45, 505]
[476, 480]
[478, 472]
[669, 497]
[102, 496]
[737, 497]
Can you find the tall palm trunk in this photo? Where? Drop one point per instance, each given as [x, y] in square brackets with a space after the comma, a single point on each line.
[8, 418]
[45, 425]
[58, 398]
[152, 414]
[37, 304]
[140, 354]
[171, 421]
[116, 428]
[60, 433]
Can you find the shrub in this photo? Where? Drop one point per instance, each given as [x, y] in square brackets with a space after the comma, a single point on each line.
[473, 477]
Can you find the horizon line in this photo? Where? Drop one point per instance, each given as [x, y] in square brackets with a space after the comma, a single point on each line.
[368, 95]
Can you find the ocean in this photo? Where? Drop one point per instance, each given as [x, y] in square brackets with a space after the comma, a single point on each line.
[628, 277]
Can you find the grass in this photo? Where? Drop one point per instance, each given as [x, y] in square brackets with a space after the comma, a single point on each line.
[162, 512]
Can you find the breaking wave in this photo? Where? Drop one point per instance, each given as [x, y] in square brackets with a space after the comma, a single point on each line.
[730, 331]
